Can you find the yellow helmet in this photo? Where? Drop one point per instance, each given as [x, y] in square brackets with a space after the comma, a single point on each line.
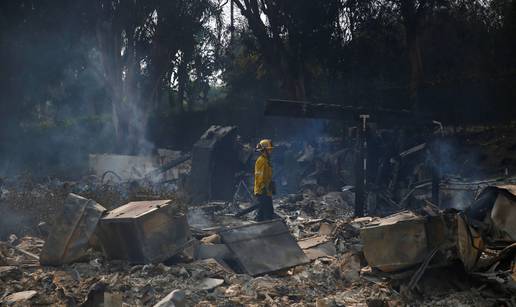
[264, 145]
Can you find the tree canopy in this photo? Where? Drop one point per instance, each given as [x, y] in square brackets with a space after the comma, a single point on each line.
[95, 74]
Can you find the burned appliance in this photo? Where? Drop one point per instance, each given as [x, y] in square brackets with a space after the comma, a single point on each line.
[215, 162]
[144, 231]
[70, 235]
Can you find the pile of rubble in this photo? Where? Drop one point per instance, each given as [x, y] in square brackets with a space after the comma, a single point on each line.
[28, 206]
[148, 253]
[130, 239]
[202, 282]
[257, 279]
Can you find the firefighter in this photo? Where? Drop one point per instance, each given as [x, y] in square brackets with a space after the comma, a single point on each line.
[263, 184]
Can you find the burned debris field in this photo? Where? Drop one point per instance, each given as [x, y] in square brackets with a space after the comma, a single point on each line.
[258, 153]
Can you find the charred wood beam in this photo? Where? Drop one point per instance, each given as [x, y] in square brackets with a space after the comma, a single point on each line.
[169, 165]
[303, 109]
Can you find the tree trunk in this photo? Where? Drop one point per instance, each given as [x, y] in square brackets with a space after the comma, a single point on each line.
[416, 67]
[182, 79]
[413, 14]
[279, 61]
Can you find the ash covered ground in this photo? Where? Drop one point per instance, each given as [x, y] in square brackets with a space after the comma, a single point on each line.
[338, 273]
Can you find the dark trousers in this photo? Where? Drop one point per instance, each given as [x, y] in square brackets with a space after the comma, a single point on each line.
[265, 209]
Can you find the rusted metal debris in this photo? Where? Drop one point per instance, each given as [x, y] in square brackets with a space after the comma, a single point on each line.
[317, 247]
[503, 213]
[70, 235]
[263, 247]
[481, 237]
[396, 242]
[144, 231]
[406, 239]
[215, 161]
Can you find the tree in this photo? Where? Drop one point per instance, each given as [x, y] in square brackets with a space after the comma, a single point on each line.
[142, 45]
[413, 14]
[292, 35]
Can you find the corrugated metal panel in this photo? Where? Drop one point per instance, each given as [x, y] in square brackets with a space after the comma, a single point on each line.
[263, 247]
[70, 234]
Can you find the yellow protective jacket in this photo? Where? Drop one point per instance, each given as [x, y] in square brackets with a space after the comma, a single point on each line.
[262, 176]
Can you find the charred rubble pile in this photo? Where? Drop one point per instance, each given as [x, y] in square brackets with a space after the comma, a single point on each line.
[166, 231]
[29, 206]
